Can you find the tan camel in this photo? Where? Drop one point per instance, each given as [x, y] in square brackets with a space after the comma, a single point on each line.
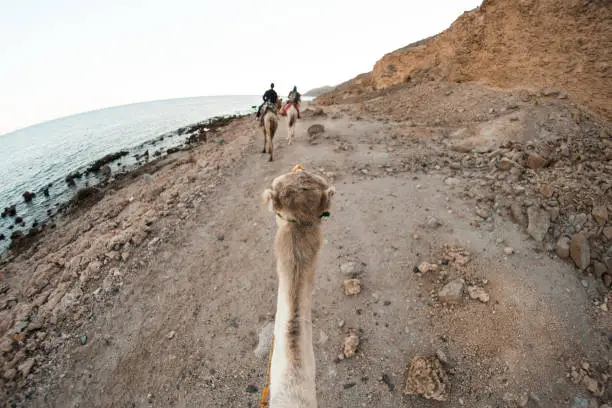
[292, 117]
[300, 200]
[269, 124]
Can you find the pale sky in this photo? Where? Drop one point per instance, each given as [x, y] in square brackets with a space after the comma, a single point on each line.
[60, 57]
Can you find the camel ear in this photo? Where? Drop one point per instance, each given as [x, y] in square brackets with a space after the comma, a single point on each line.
[268, 197]
[327, 197]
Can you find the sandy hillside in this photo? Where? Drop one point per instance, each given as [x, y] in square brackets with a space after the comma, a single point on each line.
[509, 44]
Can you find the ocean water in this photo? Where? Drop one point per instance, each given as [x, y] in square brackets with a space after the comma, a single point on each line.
[43, 154]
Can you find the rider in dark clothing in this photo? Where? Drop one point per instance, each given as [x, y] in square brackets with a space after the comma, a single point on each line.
[270, 96]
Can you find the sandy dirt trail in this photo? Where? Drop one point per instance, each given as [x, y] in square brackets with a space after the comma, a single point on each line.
[179, 322]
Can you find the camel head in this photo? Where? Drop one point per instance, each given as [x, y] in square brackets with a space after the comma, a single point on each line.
[299, 197]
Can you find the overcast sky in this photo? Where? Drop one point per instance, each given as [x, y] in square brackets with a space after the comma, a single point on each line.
[60, 57]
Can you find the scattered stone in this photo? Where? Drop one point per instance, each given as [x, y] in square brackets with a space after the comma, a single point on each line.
[483, 213]
[580, 251]
[452, 292]
[352, 287]
[425, 267]
[27, 196]
[9, 374]
[508, 251]
[457, 255]
[251, 389]
[607, 232]
[591, 384]
[83, 340]
[433, 223]
[349, 347]
[171, 335]
[600, 214]
[599, 269]
[607, 280]
[539, 222]
[518, 214]
[427, 378]
[505, 164]
[26, 367]
[349, 269]
[315, 129]
[478, 293]
[535, 161]
[385, 379]
[563, 247]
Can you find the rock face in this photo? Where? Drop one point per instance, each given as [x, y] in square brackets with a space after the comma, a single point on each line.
[580, 251]
[539, 222]
[495, 37]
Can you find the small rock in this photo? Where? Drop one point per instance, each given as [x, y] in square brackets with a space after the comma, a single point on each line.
[351, 342]
[341, 323]
[599, 269]
[478, 293]
[539, 222]
[591, 384]
[508, 251]
[518, 214]
[251, 389]
[349, 269]
[9, 374]
[425, 267]
[600, 214]
[607, 232]
[315, 129]
[25, 367]
[535, 161]
[505, 164]
[171, 335]
[84, 340]
[563, 247]
[483, 213]
[580, 251]
[452, 292]
[352, 287]
[433, 222]
[426, 377]
[607, 280]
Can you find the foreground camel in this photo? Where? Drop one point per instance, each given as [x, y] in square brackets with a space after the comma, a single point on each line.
[300, 201]
[269, 124]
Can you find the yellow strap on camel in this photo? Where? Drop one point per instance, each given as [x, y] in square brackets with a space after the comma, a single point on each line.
[265, 394]
[296, 168]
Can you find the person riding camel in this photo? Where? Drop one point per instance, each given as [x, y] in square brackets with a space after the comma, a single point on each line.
[269, 97]
[294, 98]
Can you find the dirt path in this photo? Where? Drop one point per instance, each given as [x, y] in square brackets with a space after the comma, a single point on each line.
[177, 324]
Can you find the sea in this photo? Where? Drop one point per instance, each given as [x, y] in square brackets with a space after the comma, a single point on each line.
[40, 157]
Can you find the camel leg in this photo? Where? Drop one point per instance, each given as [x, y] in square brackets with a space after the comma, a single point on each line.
[265, 137]
[271, 147]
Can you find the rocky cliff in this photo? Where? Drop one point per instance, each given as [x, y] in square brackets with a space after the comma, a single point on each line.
[532, 44]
